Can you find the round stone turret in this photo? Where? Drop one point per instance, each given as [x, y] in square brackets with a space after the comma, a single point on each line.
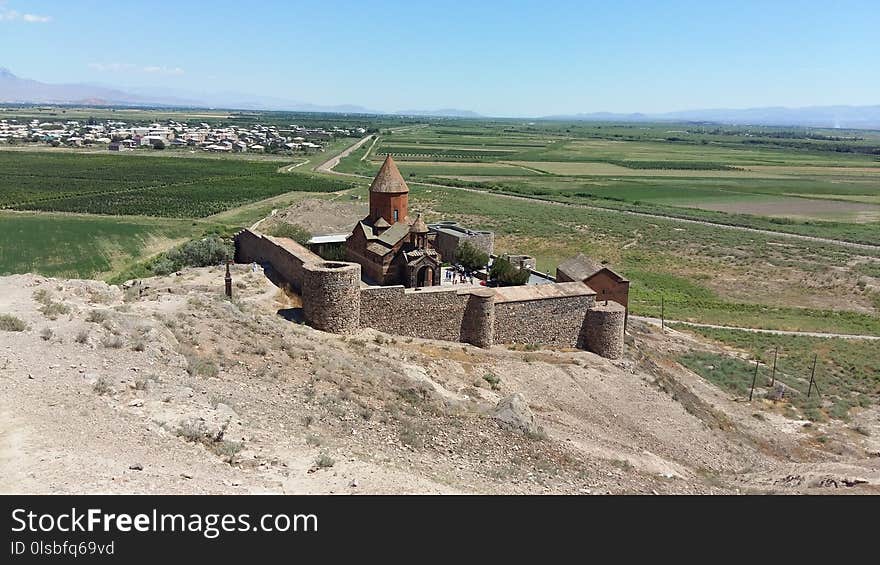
[331, 296]
[478, 325]
[602, 331]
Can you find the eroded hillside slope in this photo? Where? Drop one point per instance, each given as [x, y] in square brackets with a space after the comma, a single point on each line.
[172, 388]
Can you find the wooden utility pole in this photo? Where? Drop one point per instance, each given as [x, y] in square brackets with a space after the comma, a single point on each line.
[662, 315]
[228, 281]
[773, 374]
[754, 379]
[813, 376]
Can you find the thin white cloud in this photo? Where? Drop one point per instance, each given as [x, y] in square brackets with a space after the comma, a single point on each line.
[128, 67]
[35, 19]
[10, 15]
[164, 70]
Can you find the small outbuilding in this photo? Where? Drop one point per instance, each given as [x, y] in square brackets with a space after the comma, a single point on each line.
[608, 284]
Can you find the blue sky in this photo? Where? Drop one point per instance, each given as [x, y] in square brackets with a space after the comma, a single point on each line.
[498, 58]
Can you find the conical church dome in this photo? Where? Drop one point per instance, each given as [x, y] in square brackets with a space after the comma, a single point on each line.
[389, 179]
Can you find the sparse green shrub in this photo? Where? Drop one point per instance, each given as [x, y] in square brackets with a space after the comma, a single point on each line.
[211, 250]
[54, 309]
[314, 439]
[112, 342]
[202, 367]
[82, 336]
[97, 316]
[11, 323]
[142, 383]
[227, 449]
[193, 430]
[102, 385]
[47, 334]
[493, 380]
[729, 373]
[43, 296]
[324, 461]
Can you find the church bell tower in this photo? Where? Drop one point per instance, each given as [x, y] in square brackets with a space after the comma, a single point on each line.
[389, 195]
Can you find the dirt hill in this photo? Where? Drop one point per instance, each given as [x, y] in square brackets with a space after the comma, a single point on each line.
[319, 216]
[169, 387]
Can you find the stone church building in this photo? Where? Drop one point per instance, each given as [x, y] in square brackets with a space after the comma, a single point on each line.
[391, 247]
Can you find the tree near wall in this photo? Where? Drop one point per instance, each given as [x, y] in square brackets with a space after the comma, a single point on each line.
[212, 250]
[506, 274]
[471, 258]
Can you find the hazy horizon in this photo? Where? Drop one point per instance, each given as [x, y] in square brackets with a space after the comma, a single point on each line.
[513, 59]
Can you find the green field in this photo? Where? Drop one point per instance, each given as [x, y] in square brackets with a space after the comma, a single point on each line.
[83, 246]
[100, 213]
[704, 273]
[847, 371]
[135, 185]
[824, 183]
[816, 183]
[811, 182]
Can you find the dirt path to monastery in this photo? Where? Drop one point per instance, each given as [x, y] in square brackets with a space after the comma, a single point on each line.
[328, 165]
[656, 322]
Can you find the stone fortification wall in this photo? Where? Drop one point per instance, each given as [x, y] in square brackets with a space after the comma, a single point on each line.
[284, 255]
[429, 313]
[551, 315]
[555, 321]
[560, 315]
[448, 236]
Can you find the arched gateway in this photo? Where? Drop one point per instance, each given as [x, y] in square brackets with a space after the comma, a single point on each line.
[425, 277]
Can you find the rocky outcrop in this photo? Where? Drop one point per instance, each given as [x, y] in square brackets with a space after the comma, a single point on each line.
[513, 413]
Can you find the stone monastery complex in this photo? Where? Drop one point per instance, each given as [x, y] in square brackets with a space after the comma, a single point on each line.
[391, 247]
[391, 281]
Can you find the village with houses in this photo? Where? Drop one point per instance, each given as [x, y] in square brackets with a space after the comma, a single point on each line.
[116, 135]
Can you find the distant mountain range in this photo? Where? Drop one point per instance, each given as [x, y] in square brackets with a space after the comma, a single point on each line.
[14, 89]
[20, 90]
[442, 113]
[852, 117]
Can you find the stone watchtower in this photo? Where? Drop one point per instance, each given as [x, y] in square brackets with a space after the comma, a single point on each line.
[331, 295]
[389, 195]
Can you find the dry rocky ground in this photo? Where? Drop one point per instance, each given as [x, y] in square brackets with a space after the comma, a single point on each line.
[171, 388]
[320, 216]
